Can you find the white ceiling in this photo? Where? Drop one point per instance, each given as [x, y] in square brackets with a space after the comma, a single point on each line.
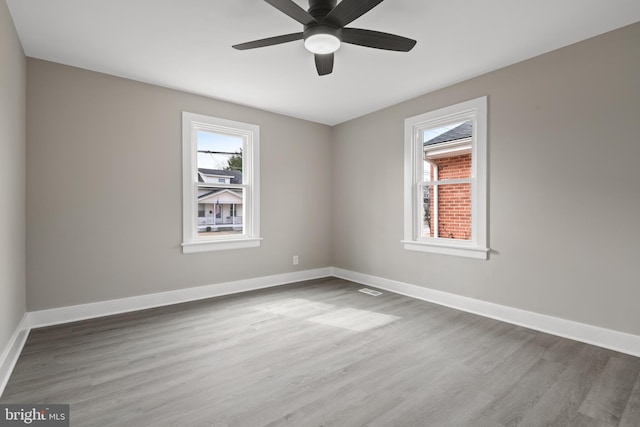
[186, 45]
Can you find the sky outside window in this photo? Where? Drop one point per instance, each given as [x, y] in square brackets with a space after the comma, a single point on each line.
[210, 141]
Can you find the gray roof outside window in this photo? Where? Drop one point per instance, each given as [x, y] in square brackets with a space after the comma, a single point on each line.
[462, 131]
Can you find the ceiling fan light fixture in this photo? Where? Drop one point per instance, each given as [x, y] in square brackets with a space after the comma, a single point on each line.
[324, 30]
[322, 43]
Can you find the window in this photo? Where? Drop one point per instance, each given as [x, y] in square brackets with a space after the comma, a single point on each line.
[220, 160]
[445, 197]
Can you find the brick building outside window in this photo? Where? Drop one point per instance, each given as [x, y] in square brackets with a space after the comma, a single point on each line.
[447, 208]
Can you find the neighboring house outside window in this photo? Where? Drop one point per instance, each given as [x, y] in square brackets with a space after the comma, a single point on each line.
[220, 205]
[448, 156]
[445, 181]
[220, 184]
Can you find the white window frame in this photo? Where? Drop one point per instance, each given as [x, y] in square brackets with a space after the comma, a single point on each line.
[191, 242]
[476, 111]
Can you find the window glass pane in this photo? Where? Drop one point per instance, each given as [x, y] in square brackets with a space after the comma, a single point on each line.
[447, 208]
[447, 151]
[219, 158]
[223, 211]
[427, 209]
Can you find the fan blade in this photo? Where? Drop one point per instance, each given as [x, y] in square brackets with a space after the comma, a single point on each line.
[324, 64]
[269, 41]
[377, 40]
[289, 8]
[348, 11]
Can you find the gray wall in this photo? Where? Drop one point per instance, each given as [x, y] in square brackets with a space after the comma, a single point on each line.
[104, 192]
[564, 187]
[12, 177]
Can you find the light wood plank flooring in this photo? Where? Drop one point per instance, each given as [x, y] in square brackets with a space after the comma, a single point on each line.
[320, 353]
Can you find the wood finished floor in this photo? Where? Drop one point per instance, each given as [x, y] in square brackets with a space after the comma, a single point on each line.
[320, 353]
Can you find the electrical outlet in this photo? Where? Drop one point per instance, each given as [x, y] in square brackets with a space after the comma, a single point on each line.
[295, 260]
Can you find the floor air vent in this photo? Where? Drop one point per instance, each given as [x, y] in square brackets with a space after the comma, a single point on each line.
[369, 292]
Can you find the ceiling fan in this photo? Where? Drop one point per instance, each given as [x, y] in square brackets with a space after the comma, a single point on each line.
[324, 30]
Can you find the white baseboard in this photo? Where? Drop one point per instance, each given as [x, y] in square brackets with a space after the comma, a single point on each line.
[11, 352]
[56, 316]
[607, 338]
[601, 337]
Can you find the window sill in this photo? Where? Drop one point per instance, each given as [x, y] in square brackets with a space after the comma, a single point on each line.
[447, 249]
[220, 245]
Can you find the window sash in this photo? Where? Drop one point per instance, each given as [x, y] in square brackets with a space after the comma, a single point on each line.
[204, 185]
[447, 181]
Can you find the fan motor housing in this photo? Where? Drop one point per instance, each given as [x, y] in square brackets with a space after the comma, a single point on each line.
[321, 8]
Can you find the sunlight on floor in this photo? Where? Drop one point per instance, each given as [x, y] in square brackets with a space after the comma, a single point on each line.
[295, 307]
[354, 319]
[327, 314]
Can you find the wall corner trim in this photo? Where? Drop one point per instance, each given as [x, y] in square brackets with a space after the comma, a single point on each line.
[11, 352]
[608, 338]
